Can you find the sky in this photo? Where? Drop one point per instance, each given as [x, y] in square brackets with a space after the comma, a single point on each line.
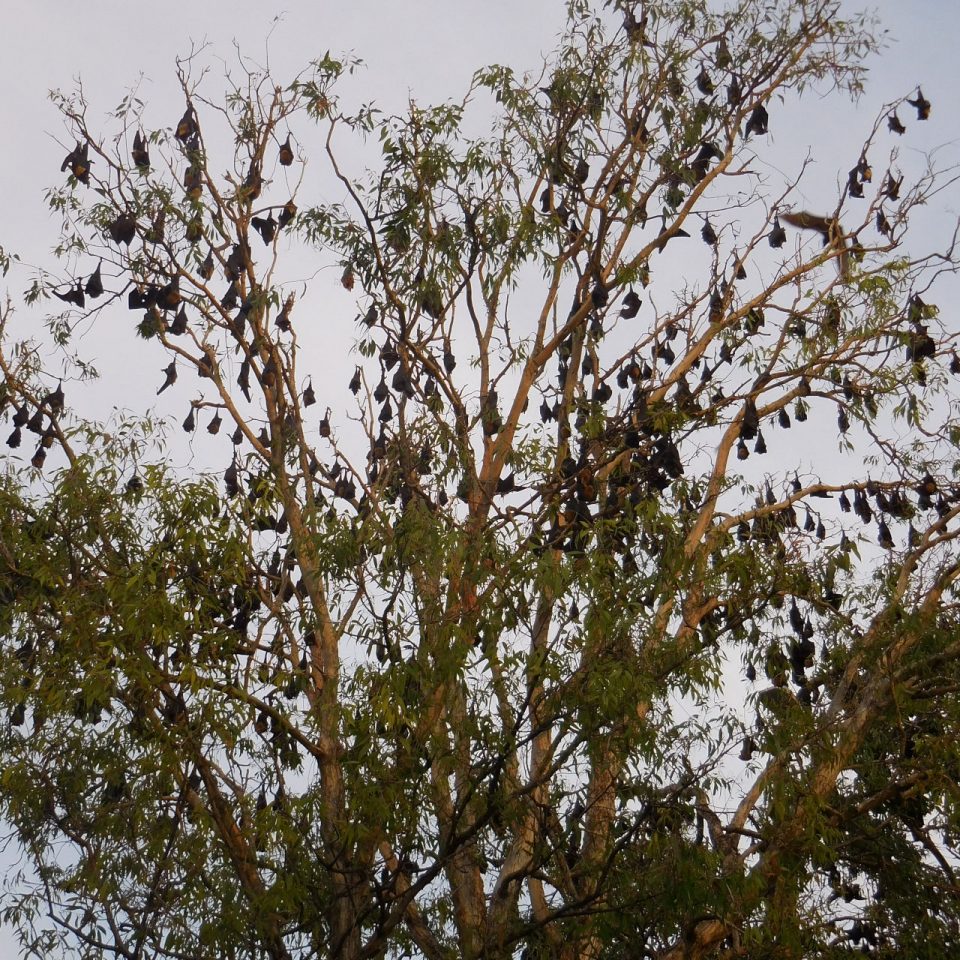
[425, 49]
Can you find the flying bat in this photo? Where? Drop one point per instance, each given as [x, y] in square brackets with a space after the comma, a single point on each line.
[829, 229]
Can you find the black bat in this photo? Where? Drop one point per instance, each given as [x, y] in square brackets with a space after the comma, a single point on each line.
[94, 285]
[287, 214]
[266, 228]
[921, 103]
[123, 229]
[704, 83]
[187, 127]
[758, 121]
[141, 156]
[286, 153]
[179, 325]
[206, 268]
[778, 236]
[79, 163]
[171, 378]
[73, 295]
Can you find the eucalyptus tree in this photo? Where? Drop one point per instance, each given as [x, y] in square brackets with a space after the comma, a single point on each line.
[544, 637]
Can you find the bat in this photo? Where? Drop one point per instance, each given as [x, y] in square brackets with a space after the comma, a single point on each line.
[777, 236]
[829, 229]
[79, 163]
[921, 103]
[171, 378]
[74, 295]
[758, 121]
[287, 214]
[140, 154]
[94, 285]
[187, 127]
[266, 228]
[123, 229]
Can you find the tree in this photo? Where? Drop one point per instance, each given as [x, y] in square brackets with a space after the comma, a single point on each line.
[524, 650]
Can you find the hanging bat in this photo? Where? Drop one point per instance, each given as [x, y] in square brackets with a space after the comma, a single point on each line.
[73, 295]
[94, 285]
[171, 378]
[187, 127]
[140, 154]
[758, 121]
[921, 103]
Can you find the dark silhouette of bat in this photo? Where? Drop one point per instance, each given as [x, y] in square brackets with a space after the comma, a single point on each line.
[891, 188]
[704, 83]
[243, 378]
[206, 268]
[193, 181]
[777, 236]
[708, 233]
[179, 325]
[79, 163]
[854, 186]
[123, 229]
[894, 125]
[187, 127]
[171, 377]
[169, 295]
[631, 305]
[236, 263]
[758, 122]
[921, 103]
[231, 297]
[94, 284]
[74, 296]
[252, 184]
[286, 153]
[266, 228]
[287, 214]
[701, 162]
[54, 401]
[734, 93]
[283, 317]
[140, 153]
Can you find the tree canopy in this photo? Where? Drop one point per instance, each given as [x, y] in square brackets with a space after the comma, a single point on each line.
[605, 607]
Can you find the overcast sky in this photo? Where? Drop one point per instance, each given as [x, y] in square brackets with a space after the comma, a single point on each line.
[427, 49]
